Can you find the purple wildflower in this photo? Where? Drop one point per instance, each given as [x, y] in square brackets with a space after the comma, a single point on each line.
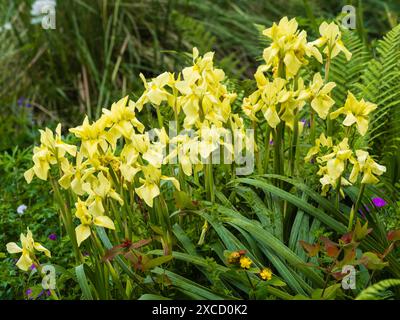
[28, 292]
[379, 202]
[53, 237]
[20, 101]
[305, 122]
[271, 142]
[32, 267]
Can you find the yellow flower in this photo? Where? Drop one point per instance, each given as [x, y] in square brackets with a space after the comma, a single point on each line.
[186, 150]
[121, 118]
[367, 166]
[245, 263]
[87, 220]
[331, 37]
[272, 94]
[75, 177]
[356, 112]
[322, 141]
[28, 250]
[233, 257]
[251, 106]
[202, 86]
[92, 136]
[51, 150]
[336, 161]
[289, 46]
[321, 101]
[155, 92]
[150, 187]
[266, 274]
[211, 138]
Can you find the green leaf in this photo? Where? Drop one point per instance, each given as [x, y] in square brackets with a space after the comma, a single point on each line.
[148, 296]
[156, 262]
[371, 261]
[83, 282]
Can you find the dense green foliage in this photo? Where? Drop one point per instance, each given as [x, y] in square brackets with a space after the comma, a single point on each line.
[94, 57]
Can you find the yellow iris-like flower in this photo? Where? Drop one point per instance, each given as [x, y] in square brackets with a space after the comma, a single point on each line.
[75, 176]
[203, 96]
[211, 138]
[92, 136]
[88, 219]
[335, 165]
[251, 106]
[289, 46]
[356, 112]
[186, 150]
[151, 184]
[29, 246]
[322, 141]
[321, 101]
[266, 274]
[270, 94]
[155, 92]
[367, 166]
[51, 150]
[331, 37]
[122, 119]
[245, 263]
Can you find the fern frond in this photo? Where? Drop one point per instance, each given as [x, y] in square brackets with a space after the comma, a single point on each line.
[378, 291]
[380, 84]
[347, 73]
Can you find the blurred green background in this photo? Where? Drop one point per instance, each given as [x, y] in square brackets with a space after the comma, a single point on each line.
[99, 47]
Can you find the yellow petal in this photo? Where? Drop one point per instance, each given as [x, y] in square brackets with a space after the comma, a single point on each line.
[28, 175]
[82, 233]
[148, 192]
[173, 180]
[40, 248]
[272, 117]
[12, 247]
[104, 221]
[362, 125]
[349, 120]
[25, 262]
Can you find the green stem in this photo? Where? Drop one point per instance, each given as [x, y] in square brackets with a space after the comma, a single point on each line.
[266, 148]
[293, 149]
[66, 217]
[355, 208]
[160, 118]
[328, 118]
[257, 153]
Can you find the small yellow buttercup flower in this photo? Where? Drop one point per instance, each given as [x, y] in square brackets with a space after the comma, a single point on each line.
[245, 262]
[234, 257]
[266, 274]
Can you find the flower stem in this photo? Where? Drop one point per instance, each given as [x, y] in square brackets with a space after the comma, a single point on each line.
[355, 208]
